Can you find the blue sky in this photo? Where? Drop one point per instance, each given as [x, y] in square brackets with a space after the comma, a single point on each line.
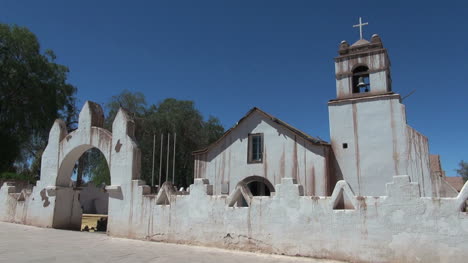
[229, 56]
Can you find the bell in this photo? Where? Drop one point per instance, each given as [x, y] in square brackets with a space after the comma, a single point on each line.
[361, 83]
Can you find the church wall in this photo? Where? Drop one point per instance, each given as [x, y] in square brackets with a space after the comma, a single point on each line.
[374, 130]
[380, 144]
[285, 155]
[418, 155]
[93, 199]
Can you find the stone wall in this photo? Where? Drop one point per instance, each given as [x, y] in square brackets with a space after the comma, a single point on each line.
[94, 200]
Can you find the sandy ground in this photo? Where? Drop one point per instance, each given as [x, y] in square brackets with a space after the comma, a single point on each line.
[20, 243]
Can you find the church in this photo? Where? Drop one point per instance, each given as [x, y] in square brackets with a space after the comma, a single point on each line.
[371, 194]
[370, 139]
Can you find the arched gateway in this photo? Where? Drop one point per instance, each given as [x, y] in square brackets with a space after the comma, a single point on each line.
[60, 206]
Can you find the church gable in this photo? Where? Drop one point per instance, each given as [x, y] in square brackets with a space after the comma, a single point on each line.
[262, 145]
[255, 122]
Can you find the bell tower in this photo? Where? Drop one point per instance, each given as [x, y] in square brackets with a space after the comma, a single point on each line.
[362, 69]
[369, 136]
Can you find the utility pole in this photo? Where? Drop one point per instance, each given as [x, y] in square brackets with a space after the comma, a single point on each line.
[173, 159]
[160, 160]
[152, 169]
[167, 161]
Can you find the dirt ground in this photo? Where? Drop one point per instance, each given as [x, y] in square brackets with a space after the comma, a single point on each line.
[20, 243]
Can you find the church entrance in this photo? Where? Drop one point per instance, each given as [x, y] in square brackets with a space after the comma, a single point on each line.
[82, 201]
[92, 175]
[259, 186]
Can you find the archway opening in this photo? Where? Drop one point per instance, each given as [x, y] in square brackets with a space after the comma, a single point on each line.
[82, 203]
[92, 176]
[258, 186]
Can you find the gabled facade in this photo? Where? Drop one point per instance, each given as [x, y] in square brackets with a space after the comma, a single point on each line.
[262, 146]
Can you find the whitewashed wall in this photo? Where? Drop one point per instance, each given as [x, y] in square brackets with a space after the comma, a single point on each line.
[285, 153]
[53, 202]
[400, 227]
[380, 144]
[94, 200]
[418, 166]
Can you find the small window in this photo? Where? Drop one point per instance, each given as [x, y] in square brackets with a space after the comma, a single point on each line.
[255, 154]
[345, 146]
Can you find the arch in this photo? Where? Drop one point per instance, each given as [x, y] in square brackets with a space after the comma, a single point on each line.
[259, 186]
[359, 67]
[73, 147]
[360, 79]
[63, 149]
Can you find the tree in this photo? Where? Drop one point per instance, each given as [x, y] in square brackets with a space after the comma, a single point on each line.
[182, 118]
[95, 167]
[463, 170]
[33, 93]
[133, 102]
[170, 116]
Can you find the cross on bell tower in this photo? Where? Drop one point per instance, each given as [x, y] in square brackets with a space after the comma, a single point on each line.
[360, 25]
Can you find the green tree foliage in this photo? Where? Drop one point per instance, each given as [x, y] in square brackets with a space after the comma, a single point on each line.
[463, 170]
[33, 93]
[134, 103]
[20, 177]
[192, 133]
[95, 167]
[167, 117]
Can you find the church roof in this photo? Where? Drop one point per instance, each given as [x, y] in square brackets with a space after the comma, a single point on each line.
[456, 182]
[272, 118]
[360, 42]
[362, 46]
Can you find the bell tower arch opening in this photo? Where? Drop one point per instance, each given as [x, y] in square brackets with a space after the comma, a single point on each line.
[361, 79]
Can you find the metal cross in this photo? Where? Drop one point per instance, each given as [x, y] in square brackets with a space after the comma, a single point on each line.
[360, 25]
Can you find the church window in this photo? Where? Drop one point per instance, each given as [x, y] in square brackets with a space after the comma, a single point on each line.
[361, 79]
[255, 154]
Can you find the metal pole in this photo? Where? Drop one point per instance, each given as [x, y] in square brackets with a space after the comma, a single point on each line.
[168, 150]
[160, 160]
[173, 159]
[152, 170]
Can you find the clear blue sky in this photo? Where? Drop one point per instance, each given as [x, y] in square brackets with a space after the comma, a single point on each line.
[229, 56]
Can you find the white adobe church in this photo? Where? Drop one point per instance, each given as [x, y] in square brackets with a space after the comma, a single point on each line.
[368, 196]
[370, 139]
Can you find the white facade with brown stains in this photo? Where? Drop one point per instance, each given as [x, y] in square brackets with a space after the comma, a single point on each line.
[370, 139]
[286, 154]
[369, 134]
